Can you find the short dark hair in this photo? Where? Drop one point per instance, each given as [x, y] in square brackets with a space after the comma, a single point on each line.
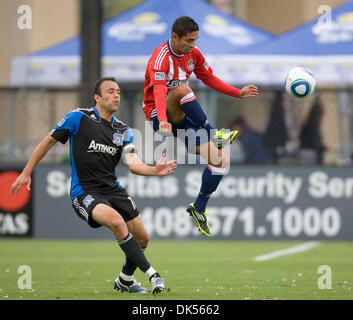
[183, 25]
[97, 85]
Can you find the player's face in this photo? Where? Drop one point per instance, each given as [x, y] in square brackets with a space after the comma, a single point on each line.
[184, 44]
[110, 96]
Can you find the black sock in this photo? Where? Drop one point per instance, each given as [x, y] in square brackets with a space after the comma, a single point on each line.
[129, 267]
[134, 252]
[126, 283]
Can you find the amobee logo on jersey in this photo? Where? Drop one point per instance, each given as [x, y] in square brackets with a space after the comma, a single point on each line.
[118, 139]
[191, 65]
[100, 147]
[87, 201]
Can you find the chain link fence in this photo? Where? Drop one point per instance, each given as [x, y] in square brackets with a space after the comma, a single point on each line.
[315, 130]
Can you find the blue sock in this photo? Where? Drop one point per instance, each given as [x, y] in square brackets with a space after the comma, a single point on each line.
[209, 185]
[194, 111]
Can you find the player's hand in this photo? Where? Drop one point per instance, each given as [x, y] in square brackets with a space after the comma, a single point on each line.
[249, 91]
[165, 128]
[164, 168]
[21, 180]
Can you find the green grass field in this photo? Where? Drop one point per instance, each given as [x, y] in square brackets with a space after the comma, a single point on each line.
[193, 270]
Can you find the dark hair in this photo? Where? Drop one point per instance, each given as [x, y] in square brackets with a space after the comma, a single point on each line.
[183, 25]
[97, 85]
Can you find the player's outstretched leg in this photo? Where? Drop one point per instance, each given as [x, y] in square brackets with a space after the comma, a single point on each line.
[134, 252]
[107, 216]
[200, 218]
[126, 277]
[211, 178]
[126, 280]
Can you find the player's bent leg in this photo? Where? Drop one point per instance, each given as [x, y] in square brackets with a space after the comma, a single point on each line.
[107, 216]
[110, 218]
[137, 229]
[175, 112]
[182, 100]
[214, 156]
[126, 280]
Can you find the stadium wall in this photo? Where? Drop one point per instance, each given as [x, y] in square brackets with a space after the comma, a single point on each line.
[252, 203]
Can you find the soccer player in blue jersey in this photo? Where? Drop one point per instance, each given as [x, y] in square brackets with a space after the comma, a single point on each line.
[97, 142]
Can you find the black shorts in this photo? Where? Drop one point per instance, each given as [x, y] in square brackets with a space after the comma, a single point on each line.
[118, 199]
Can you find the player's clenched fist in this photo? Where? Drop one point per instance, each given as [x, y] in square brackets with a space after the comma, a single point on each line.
[165, 127]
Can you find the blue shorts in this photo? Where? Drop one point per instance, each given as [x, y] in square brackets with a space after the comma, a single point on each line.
[187, 131]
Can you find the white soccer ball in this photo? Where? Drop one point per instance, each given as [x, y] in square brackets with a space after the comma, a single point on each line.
[300, 82]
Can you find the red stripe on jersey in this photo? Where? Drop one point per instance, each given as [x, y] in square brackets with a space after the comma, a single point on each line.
[165, 69]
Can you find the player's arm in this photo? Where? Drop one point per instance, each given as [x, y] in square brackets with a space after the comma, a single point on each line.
[162, 168]
[61, 132]
[217, 84]
[205, 73]
[38, 154]
[158, 70]
[159, 93]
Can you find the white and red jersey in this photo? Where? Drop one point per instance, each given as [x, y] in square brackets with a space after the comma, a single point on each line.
[166, 70]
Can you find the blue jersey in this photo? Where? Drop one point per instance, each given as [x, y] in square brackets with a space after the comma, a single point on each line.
[96, 146]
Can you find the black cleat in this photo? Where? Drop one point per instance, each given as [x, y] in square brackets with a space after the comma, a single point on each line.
[200, 218]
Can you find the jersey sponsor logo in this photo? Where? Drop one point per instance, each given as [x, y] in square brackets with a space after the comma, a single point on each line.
[159, 76]
[174, 83]
[87, 201]
[103, 148]
[191, 65]
[118, 139]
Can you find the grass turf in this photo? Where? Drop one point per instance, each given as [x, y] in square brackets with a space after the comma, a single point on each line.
[193, 270]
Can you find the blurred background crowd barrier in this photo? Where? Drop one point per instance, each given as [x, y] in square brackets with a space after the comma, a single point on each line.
[275, 128]
[52, 66]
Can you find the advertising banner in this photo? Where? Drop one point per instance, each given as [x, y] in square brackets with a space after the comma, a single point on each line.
[251, 203]
[16, 212]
